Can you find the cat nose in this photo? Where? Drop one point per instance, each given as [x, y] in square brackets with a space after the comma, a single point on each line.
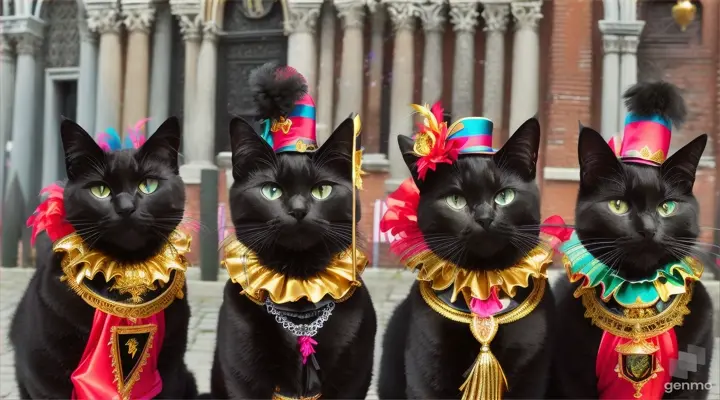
[298, 208]
[647, 227]
[484, 221]
[124, 204]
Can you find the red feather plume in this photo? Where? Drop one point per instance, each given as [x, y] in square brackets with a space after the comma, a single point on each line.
[49, 216]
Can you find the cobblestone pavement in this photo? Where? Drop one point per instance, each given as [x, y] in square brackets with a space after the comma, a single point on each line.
[387, 287]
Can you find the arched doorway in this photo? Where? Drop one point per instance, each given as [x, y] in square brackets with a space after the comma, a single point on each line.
[253, 36]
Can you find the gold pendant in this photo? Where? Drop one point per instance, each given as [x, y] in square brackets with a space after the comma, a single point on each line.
[637, 363]
[486, 380]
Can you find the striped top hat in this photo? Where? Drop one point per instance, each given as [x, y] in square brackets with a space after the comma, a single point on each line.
[477, 133]
[653, 109]
[287, 110]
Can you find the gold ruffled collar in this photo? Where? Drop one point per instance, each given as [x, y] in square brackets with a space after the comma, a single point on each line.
[443, 274]
[339, 279]
[136, 290]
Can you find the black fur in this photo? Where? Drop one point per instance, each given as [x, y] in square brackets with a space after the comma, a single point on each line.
[642, 242]
[276, 89]
[51, 325]
[296, 235]
[648, 98]
[424, 354]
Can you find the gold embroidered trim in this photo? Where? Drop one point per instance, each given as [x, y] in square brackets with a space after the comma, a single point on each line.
[137, 279]
[257, 281]
[125, 389]
[643, 327]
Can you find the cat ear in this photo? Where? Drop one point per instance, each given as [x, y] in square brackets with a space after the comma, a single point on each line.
[597, 159]
[164, 144]
[407, 145]
[520, 152]
[81, 152]
[336, 152]
[248, 149]
[679, 170]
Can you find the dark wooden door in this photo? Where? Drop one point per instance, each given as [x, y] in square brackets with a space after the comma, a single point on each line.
[252, 38]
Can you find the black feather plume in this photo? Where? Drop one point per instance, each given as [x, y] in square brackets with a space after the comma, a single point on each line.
[664, 98]
[276, 89]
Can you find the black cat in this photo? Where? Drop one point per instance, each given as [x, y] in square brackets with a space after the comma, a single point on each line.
[635, 243]
[52, 324]
[275, 214]
[425, 355]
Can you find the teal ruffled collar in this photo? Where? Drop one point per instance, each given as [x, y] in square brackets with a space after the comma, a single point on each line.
[666, 282]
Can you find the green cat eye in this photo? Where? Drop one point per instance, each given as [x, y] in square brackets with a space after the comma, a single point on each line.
[148, 186]
[321, 192]
[271, 191]
[100, 191]
[618, 206]
[456, 202]
[667, 208]
[505, 197]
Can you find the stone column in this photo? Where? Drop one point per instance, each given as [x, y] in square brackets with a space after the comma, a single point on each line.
[7, 92]
[326, 82]
[191, 29]
[496, 20]
[402, 14]
[610, 84]
[432, 15]
[373, 107]
[19, 193]
[138, 22]
[464, 17]
[525, 93]
[628, 70]
[87, 79]
[200, 144]
[106, 22]
[160, 69]
[350, 91]
[300, 28]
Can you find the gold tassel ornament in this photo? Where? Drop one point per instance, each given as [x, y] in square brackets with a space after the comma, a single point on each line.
[486, 380]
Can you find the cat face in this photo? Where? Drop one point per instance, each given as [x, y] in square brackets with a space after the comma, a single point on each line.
[125, 202]
[483, 211]
[636, 217]
[296, 202]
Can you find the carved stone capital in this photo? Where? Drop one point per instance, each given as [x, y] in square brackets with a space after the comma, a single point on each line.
[527, 14]
[432, 15]
[190, 26]
[629, 44]
[138, 19]
[210, 31]
[7, 50]
[302, 18]
[402, 14]
[496, 16]
[104, 21]
[352, 13]
[464, 16]
[26, 43]
[611, 44]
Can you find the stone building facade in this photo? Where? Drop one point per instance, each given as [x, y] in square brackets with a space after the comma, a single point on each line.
[109, 63]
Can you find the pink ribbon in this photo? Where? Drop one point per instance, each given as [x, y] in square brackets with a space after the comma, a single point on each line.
[307, 347]
[486, 308]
